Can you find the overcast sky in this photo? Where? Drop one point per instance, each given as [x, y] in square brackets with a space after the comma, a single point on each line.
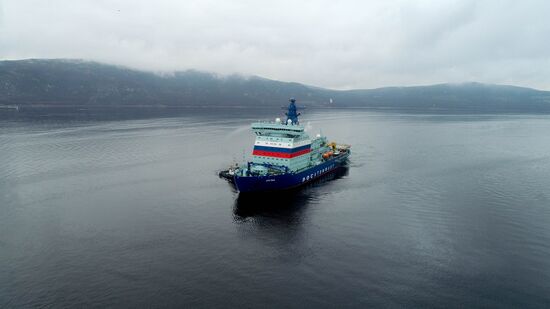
[335, 44]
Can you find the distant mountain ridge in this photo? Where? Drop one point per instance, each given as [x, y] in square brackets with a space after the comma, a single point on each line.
[43, 83]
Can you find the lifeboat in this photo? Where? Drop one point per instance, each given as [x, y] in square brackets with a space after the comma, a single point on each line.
[327, 154]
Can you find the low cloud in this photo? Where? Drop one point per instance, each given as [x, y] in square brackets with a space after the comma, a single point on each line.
[335, 44]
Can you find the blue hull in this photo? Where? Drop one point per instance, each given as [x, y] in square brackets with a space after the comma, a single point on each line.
[248, 184]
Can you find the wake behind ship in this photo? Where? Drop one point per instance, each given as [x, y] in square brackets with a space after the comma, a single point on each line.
[285, 157]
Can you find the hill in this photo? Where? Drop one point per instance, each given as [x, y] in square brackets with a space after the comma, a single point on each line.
[44, 83]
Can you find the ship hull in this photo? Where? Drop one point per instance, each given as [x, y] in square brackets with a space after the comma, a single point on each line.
[268, 183]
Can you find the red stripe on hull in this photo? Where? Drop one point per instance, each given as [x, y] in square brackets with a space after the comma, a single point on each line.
[280, 154]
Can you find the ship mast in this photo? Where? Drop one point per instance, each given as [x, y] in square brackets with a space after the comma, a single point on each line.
[292, 115]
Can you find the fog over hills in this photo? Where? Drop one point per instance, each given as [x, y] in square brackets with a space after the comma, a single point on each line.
[49, 83]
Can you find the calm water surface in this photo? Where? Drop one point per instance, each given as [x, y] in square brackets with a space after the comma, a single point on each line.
[434, 210]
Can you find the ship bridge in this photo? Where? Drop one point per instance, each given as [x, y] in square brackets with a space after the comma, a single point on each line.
[277, 129]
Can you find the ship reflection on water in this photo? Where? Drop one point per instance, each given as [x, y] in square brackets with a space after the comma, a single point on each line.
[286, 203]
[278, 221]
